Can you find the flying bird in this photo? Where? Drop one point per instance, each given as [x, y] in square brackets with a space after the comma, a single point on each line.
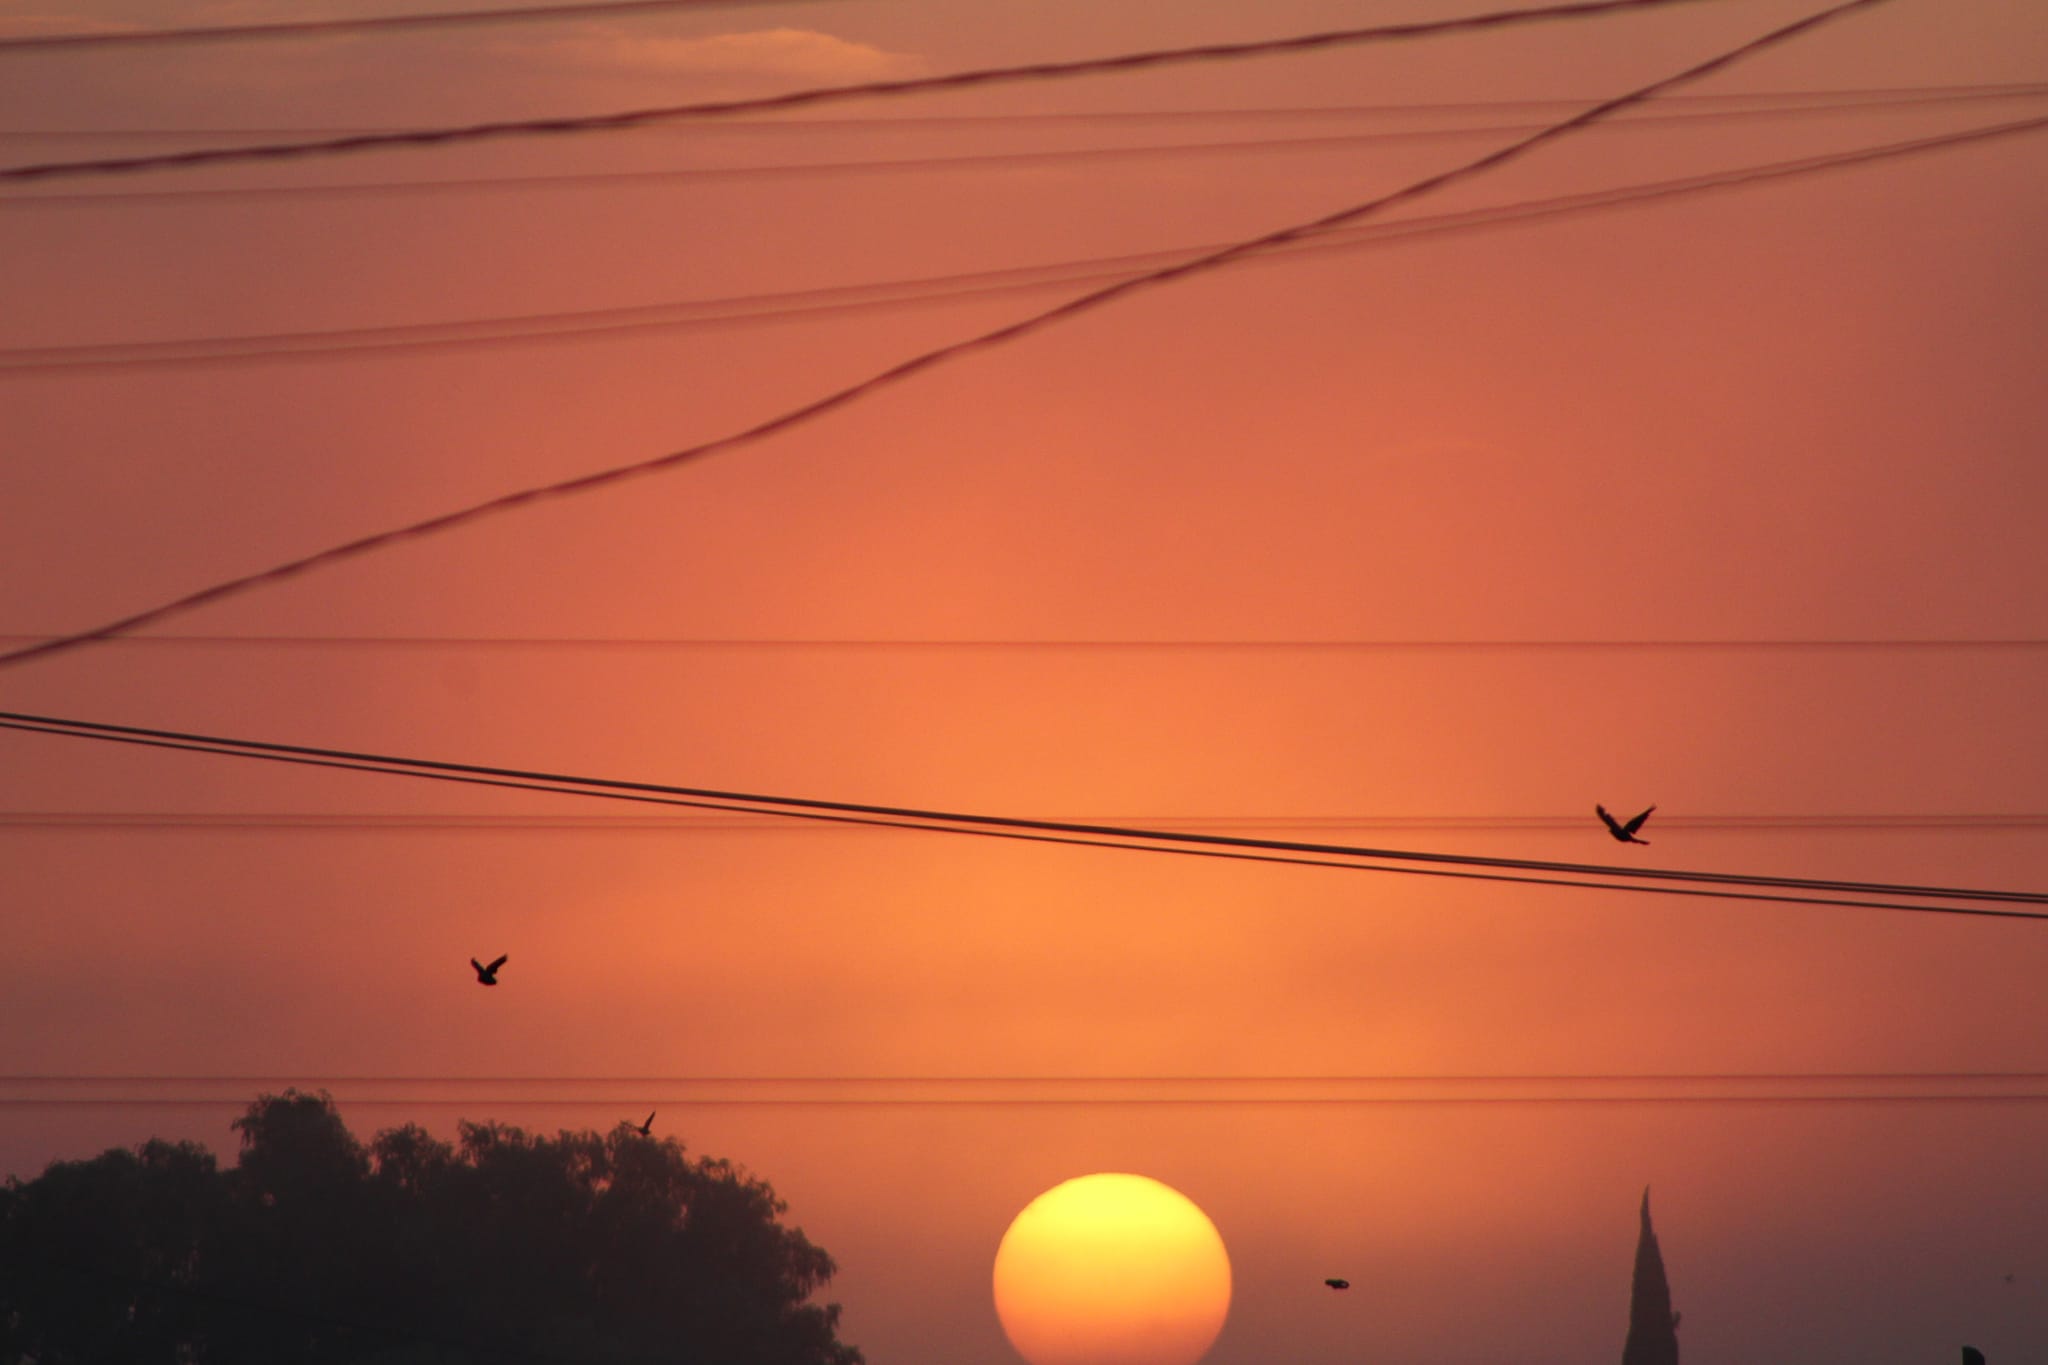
[488, 976]
[647, 1128]
[1338, 1284]
[1625, 833]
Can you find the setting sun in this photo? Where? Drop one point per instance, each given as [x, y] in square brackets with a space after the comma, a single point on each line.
[1112, 1270]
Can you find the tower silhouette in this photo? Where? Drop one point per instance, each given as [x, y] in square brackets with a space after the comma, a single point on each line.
[1652, 1326]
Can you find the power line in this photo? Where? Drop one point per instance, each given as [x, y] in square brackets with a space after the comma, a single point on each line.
[1238, 847]
[916, 365]
[498, 822]
[687, 314]
[1037, 71]
[845, 644]
[491, 821]
[669, 1101]
[1478, 1078]
[1070, 1091]
[986, 1091]
[1026, 837]
[31, 44]
[1882, 96]
[898, 165]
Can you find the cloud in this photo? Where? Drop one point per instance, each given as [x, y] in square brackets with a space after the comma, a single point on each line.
[802, 54]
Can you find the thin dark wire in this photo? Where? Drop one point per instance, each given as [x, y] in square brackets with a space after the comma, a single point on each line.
[495, 823]
[1840, 96]
[1037, 71]
[316, 28]
[1231, 847]
[609, 323]
[916, 365]
[598, 324]
[896, 165]
[1058, 1102]
[1220, 1078]
[838, 644]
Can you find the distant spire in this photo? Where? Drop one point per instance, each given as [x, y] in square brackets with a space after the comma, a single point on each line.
[1652, 1326]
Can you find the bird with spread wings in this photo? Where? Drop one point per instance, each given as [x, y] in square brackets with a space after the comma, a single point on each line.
[1625, 833]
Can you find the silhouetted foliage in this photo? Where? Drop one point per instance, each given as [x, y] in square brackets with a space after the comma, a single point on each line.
[611, 1249]
[1652, 1326]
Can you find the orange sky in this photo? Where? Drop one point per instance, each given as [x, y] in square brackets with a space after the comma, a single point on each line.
[1806, 411]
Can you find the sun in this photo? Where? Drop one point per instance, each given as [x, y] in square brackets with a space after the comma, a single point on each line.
[1112, 1269]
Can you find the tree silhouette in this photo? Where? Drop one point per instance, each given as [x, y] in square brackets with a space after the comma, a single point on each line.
[611, 1249]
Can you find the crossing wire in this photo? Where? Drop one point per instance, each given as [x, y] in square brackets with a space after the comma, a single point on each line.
[688, 314]
[1819, 100]
[1062, 156]
[1661, 881]
[796, 99]
[916, 365]
[486, 822]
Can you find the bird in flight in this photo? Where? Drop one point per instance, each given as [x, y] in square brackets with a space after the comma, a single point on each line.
[647, 1128]
[1625, 833]
[1338, 1284]
[488, 976]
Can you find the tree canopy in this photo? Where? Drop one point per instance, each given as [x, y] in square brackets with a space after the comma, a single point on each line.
[605, 1249]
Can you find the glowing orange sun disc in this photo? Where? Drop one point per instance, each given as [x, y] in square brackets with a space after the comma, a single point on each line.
[1112, 1269]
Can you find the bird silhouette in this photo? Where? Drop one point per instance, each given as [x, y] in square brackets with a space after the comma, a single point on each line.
[647, 1128]
[1972, 1356]
[1625, 833]
[1338, 1284]
[488, 976]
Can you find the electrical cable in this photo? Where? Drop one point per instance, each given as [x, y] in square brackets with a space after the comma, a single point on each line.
[629, 1084]
[832, 301]
[960, 80]
[358, 189]
[669, 1101]
[32, 44]
[967, 645]
[1236, 847]
[1818, 99]
[881, 1091]
[491, 822]
[641, 319]
[916, 365]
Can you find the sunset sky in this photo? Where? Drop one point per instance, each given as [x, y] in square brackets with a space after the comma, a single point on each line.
[1731, 503]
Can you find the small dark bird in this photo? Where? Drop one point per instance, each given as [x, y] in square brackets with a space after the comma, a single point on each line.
[488, 976]
[647, 1128]
[1625, 833]
[1972, 1356]
[1338, 1284]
